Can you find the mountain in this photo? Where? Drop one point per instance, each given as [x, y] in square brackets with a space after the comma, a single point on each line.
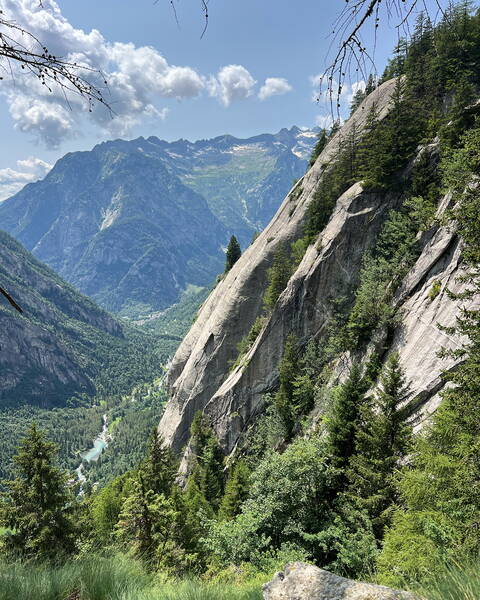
[63, 347]
[133, 224]
[201, 376]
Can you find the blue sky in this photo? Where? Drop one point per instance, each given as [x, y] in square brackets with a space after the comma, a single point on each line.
[250, 73]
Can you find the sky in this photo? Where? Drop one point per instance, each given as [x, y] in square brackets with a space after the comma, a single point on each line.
[255, 70]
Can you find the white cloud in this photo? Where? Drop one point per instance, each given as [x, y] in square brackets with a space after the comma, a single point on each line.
[274, 86]
[139, 79]
[30, 169]
[232, 83]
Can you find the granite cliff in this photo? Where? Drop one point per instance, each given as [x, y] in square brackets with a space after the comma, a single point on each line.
[200, 376]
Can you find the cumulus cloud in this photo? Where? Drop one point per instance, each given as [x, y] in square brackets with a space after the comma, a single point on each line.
[140, 80]
[274, 86]
[232, 83]
[29, 169]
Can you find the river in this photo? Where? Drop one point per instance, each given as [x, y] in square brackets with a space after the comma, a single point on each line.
[92, 455]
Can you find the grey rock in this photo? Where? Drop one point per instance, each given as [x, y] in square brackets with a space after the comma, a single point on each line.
[301, 581]
[199, 377]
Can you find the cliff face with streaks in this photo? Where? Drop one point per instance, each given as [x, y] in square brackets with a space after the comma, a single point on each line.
[200, 377]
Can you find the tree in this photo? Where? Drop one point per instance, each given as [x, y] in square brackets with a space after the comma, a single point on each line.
[284, 398]
[277, 276]
[345, 418]
[383, 441]
[207, 461]
[236, 491]
[159, 468]
[234, 252]
[38, 506]
[147, 519]
[322, 141]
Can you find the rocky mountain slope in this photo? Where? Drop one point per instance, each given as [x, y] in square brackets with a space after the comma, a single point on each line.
[57, 349]
[201, 377]
[134, 223]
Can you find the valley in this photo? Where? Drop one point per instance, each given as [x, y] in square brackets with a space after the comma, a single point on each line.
[244, 368]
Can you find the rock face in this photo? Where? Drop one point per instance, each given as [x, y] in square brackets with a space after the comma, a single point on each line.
[300, 581]
[200, 377]
[134, 223]
[47, 355]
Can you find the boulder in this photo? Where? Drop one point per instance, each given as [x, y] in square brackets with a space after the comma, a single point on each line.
[300, 581]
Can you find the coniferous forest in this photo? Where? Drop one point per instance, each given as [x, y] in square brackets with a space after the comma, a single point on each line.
[340, 475]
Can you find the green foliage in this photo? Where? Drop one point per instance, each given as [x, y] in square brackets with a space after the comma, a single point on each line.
[382, 442]
[115, 577]
[160, 466]
[344, 421]
[435, 290]
[322, 141]
[247, 342]
[381, 274]
[278, 276]
[236, 491]
[284, 398]
[37, 507]
[105, 507]
[457, 581]
[234, 252]
[206, 463]
[288, 507]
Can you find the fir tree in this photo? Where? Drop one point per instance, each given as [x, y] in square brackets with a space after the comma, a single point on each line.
[38, 506]
[284, 398]
[382, 442]
[322, 141]
[344, 420]
[159, 468]
[207, 467]
[236, 491]
[233, 253]
[147, 521]
[278, 276]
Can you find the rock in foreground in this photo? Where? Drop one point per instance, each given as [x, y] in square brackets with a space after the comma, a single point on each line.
[300, 581]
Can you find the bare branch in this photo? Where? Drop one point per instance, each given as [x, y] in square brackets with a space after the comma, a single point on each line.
[21, 47]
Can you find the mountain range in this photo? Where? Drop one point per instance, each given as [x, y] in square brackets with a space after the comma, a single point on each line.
[133, 224]
[63, 348]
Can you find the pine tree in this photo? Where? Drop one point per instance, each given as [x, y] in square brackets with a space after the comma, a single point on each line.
[38, 506]
[284, 398]
[322, 141]
[159, 468]
[344, 420]
[236, 491]
[233, 253]
[147, 520]
[207, 461]
[278, 276]
[382, 442]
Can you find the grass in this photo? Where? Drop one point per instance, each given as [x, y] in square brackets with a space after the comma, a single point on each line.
[115, 578]
[456, 582]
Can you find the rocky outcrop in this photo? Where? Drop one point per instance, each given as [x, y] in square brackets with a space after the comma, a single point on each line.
[199, 376]
[300, 581]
